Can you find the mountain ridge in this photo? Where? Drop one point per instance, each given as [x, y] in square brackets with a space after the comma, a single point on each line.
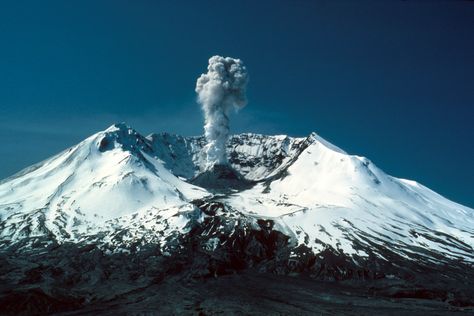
[283, 206]
[285, 174]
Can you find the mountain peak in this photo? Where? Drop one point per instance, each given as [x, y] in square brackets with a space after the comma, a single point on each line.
[123, 136]
[315, 137]
[121, 126]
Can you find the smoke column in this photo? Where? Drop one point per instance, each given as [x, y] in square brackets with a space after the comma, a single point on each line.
[219, 91]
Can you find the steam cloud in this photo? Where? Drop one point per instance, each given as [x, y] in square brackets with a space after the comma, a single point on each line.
[219, 91]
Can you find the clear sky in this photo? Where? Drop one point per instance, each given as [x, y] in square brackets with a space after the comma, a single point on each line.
[390, 80]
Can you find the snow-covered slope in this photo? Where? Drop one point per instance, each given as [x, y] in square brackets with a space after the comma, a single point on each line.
[117, 187]
[109, 175]
[330, 198]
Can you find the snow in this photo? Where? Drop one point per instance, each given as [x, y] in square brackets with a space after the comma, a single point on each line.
[327, 188]
[87, 185]
[319, 195]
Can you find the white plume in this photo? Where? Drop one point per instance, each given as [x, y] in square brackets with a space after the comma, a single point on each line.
[219, 91]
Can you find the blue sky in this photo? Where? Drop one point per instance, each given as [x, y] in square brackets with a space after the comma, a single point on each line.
[390, 80]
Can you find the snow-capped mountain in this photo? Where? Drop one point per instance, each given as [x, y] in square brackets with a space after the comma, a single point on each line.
[118, 213]
[314, 193]
[108, 176]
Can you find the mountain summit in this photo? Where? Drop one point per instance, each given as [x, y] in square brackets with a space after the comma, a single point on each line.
[282, 205]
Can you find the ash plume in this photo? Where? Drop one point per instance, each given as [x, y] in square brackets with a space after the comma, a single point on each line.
[219, 91]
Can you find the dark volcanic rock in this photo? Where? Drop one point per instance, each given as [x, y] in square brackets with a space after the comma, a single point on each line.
[222, 178]
[235, 257]
[36, 302]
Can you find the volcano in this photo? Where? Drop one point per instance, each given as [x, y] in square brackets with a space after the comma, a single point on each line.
[110, 224]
